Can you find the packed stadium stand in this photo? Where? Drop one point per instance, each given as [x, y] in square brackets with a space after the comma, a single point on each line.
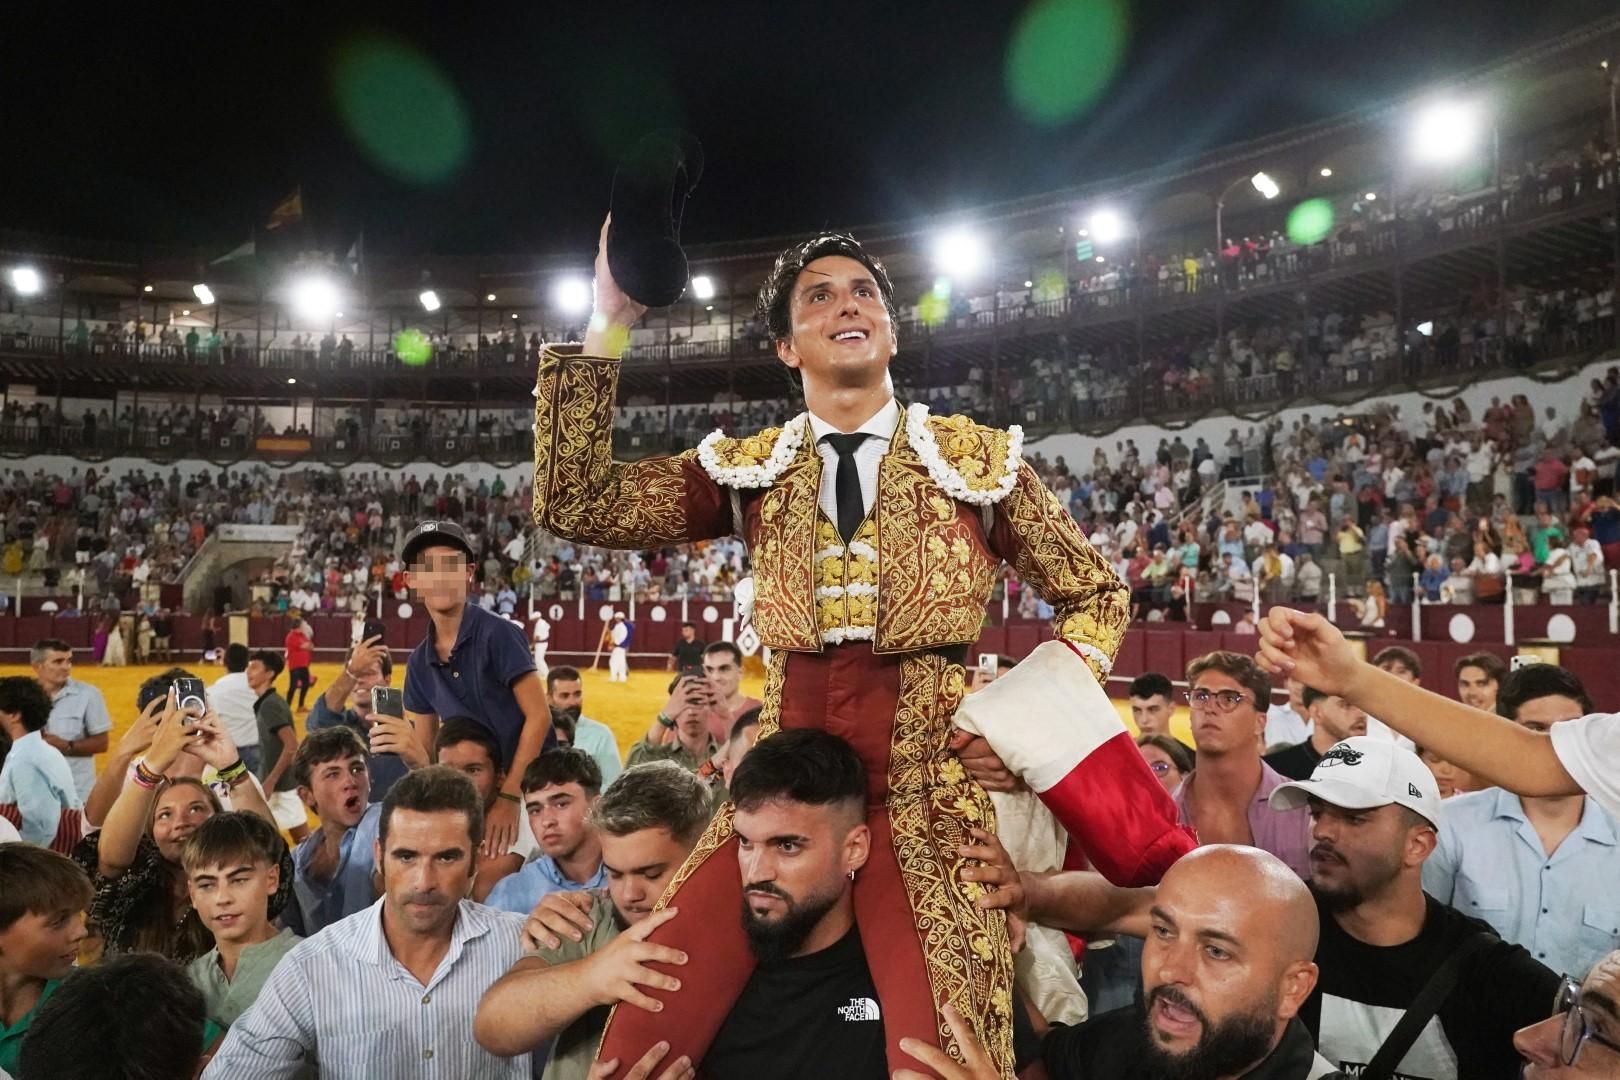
[1298, 370]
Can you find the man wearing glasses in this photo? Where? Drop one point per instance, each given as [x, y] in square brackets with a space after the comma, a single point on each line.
[1224, 798]
[1582, 1036]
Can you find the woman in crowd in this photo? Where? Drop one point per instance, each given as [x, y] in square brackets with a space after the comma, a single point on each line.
[1169, 759]
[1486, 570]
[1373, 608]
[1558, 573]
[141, 903]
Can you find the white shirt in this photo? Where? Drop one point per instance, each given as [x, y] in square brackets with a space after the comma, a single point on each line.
[1589, 749]
[620, 633]
[232, 698]
[341, 1000]
[9, 835]
[542, 631]
[880, 428]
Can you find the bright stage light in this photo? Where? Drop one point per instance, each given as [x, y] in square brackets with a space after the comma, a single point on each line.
[1326, 172]
[1029, 284]
[430, 300]
[572, 295]
[1265, 185]
[490, 298]
[1445, 132]
[187, 311]
[1107, 226]
[1371, 196]
[314, 298]
[146, 288]
[26, 280]
[291, 381]
[703, 287]
[203, 293]
[960, 253]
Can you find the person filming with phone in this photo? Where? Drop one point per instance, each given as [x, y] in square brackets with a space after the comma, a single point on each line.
[363, 700]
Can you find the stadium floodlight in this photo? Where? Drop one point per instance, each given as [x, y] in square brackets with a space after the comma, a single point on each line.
[26, 281]
[572, 295]
[1265, 185]
[960, 253]
[1445, 132]
[146, 288]
[1326, 172]
[1028, 284]
[291, 381]
[490, 298]
[1426, 329]
[430, 300]
[1107, 225]
[314, 297]
[703, 287]
[203, 293]
[1371, 196]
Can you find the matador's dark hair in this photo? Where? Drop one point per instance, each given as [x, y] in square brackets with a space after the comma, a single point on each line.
[776, 295]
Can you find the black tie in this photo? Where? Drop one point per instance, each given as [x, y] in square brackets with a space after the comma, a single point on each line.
[851, 507]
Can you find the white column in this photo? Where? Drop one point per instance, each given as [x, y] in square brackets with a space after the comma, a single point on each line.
[1507, 614]
[1333, 598]
[1417, 609]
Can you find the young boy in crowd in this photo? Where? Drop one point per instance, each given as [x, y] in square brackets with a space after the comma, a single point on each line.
[42, 901]
[559, 789]
[335, 865]
[37, 790]
[237, 868]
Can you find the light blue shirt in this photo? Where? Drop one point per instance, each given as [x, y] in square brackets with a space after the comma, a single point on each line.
[350, 889]
[342, 1002]
[1490, 864]
[36, 780]
[596, 739]
[520, 892]
[77, 712]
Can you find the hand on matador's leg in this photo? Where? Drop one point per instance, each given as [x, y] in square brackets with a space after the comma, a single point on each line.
[1048, 723]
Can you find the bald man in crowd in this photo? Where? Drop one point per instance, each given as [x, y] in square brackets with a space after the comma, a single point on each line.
[1226, 968]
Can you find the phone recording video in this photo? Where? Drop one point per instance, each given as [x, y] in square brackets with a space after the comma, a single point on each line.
[189, 695]
[388, 701]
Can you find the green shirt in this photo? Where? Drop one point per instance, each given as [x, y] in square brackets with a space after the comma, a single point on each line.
[675, 751]
[11, 1038]
[575, 1046]
[228, 999]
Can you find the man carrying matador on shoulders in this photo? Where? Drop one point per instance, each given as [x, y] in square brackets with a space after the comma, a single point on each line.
[876, 531]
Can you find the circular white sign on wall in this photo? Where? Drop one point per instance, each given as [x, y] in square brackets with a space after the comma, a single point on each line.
[1461, 629]
[1561, 628]
[659, 614]
[605, 613]
[711, 614]
[405, 611]
[556, 613]
[1221, 618]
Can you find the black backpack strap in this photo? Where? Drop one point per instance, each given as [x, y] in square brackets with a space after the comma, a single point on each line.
[1423, 1008]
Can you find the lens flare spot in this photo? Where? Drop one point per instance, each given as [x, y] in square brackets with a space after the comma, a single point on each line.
[1062, 55]
[1310, 221]
[413, 348]
[404, 112]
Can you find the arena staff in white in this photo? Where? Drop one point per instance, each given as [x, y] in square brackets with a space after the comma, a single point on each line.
[619, 658]
[1572, 758]
[542, 640]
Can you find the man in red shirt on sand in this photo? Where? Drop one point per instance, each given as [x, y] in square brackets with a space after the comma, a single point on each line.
[300, 652]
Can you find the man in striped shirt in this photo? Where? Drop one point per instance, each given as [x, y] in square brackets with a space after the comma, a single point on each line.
[390, 992]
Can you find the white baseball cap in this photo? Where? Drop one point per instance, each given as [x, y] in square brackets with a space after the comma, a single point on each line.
[1364, 773]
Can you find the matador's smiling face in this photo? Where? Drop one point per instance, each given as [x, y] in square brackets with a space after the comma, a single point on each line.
[842, 335]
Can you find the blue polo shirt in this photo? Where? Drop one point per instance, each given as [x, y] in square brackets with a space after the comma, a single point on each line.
[521, 892]
[490, 655]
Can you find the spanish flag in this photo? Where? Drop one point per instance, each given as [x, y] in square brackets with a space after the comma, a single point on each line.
[288, 211]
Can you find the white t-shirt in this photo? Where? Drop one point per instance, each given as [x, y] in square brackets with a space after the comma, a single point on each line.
[9, 833]
[233, 699]
[1589, 749]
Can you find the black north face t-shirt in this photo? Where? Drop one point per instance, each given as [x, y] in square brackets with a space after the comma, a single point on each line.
[804, 1017]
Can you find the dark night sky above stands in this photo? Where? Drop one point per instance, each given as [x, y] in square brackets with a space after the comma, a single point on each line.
[186, 125]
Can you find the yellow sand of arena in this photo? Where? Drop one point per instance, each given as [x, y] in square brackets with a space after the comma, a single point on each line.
[627, 708]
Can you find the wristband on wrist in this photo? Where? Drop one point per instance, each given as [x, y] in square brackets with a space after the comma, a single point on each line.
[666, 721]
[509, 797]
[145, 777]
[234, 772]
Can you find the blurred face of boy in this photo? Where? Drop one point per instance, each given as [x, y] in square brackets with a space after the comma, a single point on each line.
[233, 900]
[439, 577]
